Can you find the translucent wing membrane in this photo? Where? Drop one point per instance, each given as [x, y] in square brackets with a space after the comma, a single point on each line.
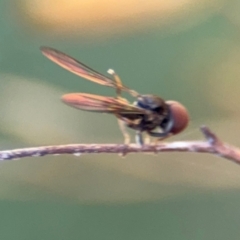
[96, 103]
[79, 68]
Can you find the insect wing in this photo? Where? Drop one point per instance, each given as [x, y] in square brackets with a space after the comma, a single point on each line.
[96, 103]
[77, 67]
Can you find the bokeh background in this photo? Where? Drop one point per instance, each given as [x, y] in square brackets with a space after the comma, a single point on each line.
[183, 50]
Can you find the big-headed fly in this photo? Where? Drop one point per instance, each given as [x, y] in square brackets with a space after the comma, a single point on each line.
[149, 113]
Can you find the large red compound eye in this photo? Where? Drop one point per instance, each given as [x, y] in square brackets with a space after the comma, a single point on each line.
[180, 116]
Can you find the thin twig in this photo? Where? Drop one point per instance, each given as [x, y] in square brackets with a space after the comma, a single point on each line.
[213, 145]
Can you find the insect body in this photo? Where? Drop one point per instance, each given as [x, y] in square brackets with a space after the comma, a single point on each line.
[149, 113]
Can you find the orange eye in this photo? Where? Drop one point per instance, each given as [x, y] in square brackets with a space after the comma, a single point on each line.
[180, 116]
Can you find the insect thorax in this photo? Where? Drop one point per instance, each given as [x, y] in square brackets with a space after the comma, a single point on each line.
[157, 113]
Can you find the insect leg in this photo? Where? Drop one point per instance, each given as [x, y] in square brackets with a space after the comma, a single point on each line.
[124, 131]
[147, 139]
[131, 123]
[139, 138]
[118, 82]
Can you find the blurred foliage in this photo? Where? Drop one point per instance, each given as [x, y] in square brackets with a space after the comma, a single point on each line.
[187, 51]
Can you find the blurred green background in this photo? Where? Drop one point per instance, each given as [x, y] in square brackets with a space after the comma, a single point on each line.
[187, 51]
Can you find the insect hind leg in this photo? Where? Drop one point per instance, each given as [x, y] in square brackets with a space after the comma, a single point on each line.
[126, 135]
[118, 81]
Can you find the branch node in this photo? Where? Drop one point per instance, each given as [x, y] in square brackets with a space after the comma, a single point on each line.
[211, 137]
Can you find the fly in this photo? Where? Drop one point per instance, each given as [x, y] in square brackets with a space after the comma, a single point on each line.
[149, 113]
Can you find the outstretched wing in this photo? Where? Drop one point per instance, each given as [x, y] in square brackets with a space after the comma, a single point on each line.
[79, 68]
[96, 103]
